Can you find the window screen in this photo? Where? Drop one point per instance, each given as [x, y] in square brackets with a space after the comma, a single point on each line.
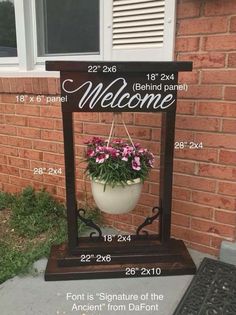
[67, 27]
[7, 29]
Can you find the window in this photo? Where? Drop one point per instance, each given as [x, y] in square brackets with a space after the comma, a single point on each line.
[119, 30]
[7, 29]
[67, 27]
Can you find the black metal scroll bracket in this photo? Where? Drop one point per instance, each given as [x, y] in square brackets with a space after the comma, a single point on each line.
[89, 223]
[149, 220]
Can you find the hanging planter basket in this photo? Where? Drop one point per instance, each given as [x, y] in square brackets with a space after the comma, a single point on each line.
[118, 199]
[110, 163]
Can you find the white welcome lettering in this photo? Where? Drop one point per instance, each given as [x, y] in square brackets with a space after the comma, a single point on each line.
[115, 95]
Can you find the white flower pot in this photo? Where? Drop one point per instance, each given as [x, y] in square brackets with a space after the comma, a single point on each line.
[119, 199]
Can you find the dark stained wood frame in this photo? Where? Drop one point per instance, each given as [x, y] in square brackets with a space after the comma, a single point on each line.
[152, 251]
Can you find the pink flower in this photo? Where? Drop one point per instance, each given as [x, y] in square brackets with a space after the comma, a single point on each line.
[136, 164]
[101, 158]
[90, 152]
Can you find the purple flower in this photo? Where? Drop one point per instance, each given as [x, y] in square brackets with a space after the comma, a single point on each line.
[136, 165]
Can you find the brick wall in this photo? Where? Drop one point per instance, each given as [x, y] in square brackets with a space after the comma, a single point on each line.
[204, 202]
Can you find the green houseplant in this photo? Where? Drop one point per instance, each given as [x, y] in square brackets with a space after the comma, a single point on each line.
[117, 170]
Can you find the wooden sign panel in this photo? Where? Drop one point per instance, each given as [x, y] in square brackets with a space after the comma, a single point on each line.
[116, 87]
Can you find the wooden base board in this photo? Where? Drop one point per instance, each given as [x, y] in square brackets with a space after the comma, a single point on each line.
[170, 258]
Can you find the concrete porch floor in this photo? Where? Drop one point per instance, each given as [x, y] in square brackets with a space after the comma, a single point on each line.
[31, 295]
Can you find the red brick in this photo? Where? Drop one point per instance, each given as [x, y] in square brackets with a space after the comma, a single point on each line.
[217, 140]
[190, 235]
[195, 182]
[203, 26]
[181, 193]
[78, 127]
[202, 92]
[212, 227]
[28, 132]
[227, 188]
[148, 200]
[20, 181]
[50, 111]
[204, 154]
[232, 60]
[192, 209]
[6, 88]
[135, 132]
[221, 109]
[4, 178]
[9, 150]
[197, 123]
[19, 142]
[108, 117]
[9, 170]
[28, 88]
[27, 110]
[53, 158]
[42, 123]
[45, 146]
[86, 117]
[16, 120]
[52, 135]
[187, 44]
[214, 200]
[36, 86]
[225, 217]
[54, 180]
[230, 93]
[216, 7]
[184, 166]
[189, 77]
[220, 42]
[3, 159]
[148, 119]
[13, 189]
[61, 191]
[217, 171]
[8, 130]
[183, 135]
[8, 109]
[125, 218]
[188, 9]
[180, 220]
[203, 60]
[97, 130]
[185, 107]
[8, 98]
[154, 188]
[52, 86]
[219, 76]
[227, 157]
[30, 154]
[156, 134]
[233, 24]
[229, 125]
[18, 162]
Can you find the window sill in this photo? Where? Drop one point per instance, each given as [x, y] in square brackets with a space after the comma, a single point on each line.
[39, 71]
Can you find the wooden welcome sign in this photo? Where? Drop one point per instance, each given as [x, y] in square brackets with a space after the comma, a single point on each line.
[120, 87]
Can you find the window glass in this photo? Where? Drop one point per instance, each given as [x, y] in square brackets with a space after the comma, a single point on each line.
[67, 27]
[7, 29]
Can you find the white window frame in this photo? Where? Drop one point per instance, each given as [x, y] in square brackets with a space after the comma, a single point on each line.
[28, 64]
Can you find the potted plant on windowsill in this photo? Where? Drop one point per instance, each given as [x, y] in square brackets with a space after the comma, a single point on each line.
[117, 170]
